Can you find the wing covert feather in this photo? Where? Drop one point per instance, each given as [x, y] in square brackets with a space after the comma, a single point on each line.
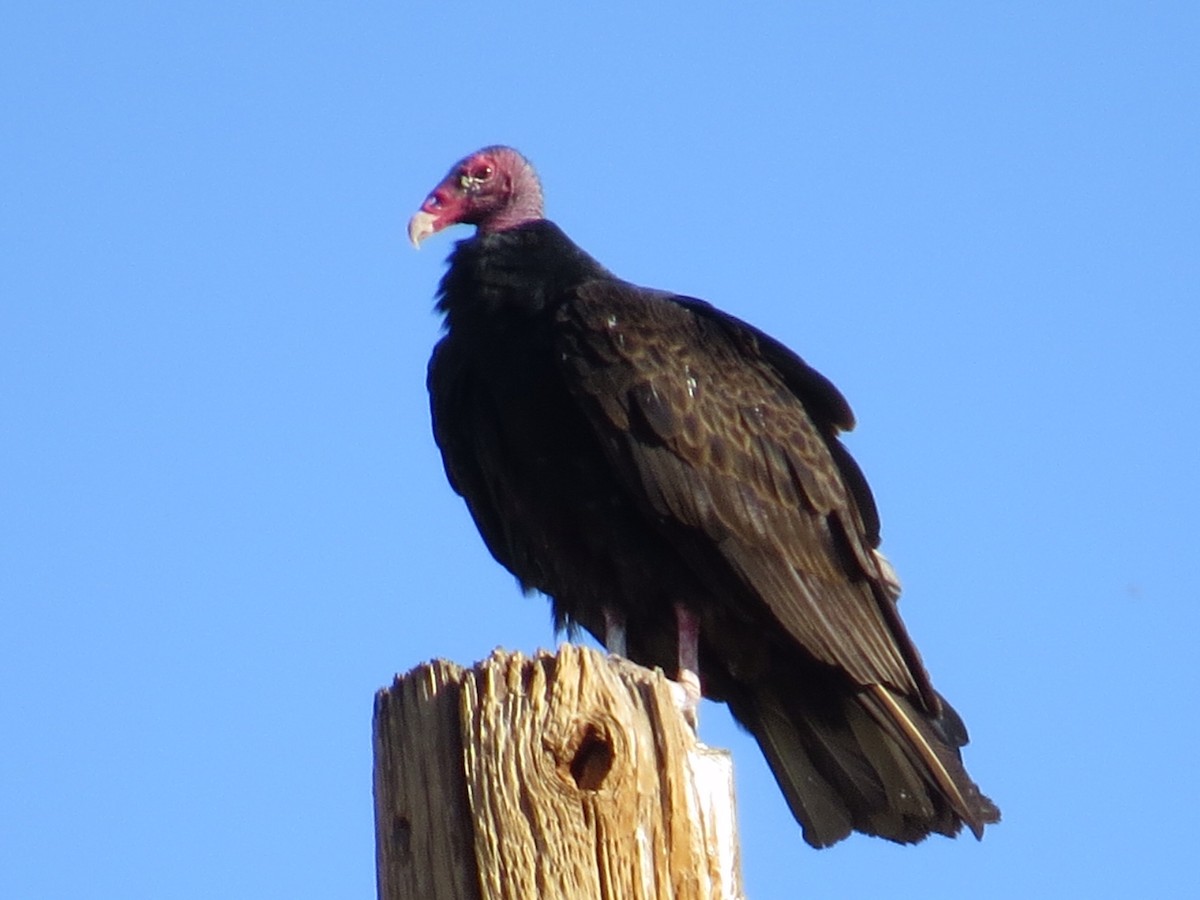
[715, 438]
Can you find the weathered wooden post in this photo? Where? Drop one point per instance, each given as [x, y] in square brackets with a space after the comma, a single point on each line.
[569, 776]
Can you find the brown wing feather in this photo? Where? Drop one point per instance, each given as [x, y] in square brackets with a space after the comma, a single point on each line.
[714, 437]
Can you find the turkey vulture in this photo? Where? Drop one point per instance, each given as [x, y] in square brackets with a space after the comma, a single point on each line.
[671, 477]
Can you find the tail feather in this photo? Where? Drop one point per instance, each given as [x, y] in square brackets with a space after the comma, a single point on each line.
[943, 763]
[863, 760]
[816, 804]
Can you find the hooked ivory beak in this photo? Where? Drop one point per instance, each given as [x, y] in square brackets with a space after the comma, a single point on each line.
[421, 226]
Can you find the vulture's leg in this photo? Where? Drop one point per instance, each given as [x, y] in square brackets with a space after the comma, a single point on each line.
[688, 630]
[614, 632]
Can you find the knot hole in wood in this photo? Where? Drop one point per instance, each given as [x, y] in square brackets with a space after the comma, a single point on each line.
[593, 757]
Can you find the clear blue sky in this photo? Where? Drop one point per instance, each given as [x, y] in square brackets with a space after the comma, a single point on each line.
[223, 522]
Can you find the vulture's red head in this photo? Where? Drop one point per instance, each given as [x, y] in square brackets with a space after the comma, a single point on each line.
[493, 189]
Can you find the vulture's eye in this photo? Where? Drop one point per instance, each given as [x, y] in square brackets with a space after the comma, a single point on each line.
[470, 177]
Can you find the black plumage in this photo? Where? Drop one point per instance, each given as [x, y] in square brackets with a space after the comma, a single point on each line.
[645, 459]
